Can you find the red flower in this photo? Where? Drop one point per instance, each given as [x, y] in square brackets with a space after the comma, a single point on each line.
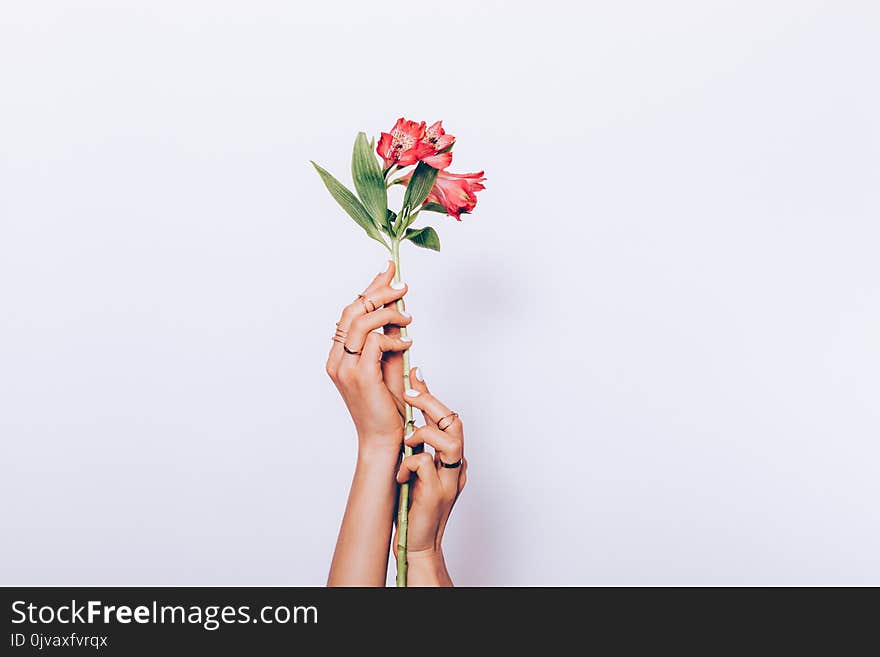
[436, 136]
[410, 142]
[403, 146]
[457, 192]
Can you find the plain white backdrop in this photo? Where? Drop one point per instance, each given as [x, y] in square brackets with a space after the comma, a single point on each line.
[660, 325]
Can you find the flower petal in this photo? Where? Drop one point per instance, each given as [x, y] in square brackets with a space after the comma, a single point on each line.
[438, 161]
[383, 148]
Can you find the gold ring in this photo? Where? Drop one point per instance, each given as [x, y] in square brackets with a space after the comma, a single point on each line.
[451, 417]
[365, 301]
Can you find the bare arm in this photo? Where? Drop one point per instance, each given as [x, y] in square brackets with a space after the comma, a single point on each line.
[361, 555]
[367, 369]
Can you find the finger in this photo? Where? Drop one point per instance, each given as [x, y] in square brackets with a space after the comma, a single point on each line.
[361, 326]
[337, 353]
[383, 278]
[334, 358]
[447, 449]
[392, 364]
[391, 329]
[384, 289]
[380, 292]
[423, 466]
[462, 480]
[375, 346]
[417, 382]
[385, 296]
[433, 409]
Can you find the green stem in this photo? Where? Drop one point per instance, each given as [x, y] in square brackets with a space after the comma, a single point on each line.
[403, 500]
[388, 173]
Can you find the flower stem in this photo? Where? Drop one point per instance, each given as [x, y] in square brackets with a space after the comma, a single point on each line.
[403, 500]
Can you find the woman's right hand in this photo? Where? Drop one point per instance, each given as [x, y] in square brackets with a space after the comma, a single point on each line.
[436, 486]
[359, 376]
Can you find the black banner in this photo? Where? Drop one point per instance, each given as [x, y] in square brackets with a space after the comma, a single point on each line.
[187, 621]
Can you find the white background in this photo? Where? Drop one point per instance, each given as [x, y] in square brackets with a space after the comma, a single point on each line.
[660, 325]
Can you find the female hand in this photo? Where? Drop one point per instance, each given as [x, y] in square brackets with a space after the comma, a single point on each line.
[436, 486]
[359, 376]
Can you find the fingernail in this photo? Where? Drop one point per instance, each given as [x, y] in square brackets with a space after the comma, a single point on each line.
[398, 285]
[387, 266]
[405, 338]
[419, 374]
[412, 393]
[408, 436]
[405, 314]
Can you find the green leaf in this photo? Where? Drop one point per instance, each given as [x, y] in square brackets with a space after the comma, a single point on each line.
[426, 237]
[368, 180]
[434, 207]
[419, 185]
[350, 204]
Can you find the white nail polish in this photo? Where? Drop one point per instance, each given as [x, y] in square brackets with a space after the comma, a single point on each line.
[412, 393]
[405, 314]
[387, 266]
[409, 435]
[398, 285]
[405, 338]
[419, 374]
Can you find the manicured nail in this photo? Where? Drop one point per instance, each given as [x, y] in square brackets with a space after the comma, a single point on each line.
[408, 436]
[405, 338]
[387, 266]
[398, 285]
[405, 314]
[412, 393]
[419, 374]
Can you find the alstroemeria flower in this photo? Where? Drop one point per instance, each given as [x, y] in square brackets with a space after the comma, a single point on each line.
[410, 142]
[403, 146]
[436, 136]
[457, 192]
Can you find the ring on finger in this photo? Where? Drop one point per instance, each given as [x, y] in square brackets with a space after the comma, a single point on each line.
[368, 304]
[446, 421]
[340, 335]
[350, 351]
[451, 466]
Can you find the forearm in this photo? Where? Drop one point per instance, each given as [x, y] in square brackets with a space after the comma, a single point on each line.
[427, 568]
[361, 555]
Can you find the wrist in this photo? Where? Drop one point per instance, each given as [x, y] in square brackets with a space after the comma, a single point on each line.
[371, 452]
[427, 568]
[381, 443]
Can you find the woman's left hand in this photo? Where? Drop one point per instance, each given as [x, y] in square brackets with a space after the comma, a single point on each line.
[360, 356]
